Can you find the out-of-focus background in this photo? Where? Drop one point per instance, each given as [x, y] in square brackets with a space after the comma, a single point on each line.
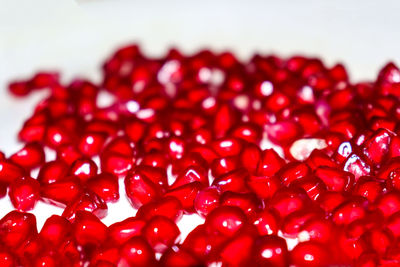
[75, 36]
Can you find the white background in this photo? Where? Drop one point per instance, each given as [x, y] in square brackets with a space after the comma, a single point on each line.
[75, 36]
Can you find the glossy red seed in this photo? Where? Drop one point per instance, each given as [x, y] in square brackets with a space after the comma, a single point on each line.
[52, 171]
[292, 223]
[380, 240]
[206, 200]
[24, 193]
[68, 153]
[237, 251]
[350, 211]
[116, 163]
[17, 227]
[293, 171]
[157, 175]
[234, 181]
[122, 231]
[104, 185]
[83, 168]
[329, 200]
[377, 146]
[161, 233]
[388, 203]
[335, 179]
[91, 143]
[226, 147]
[271, 251]
[137, 252]
[186, 194]
[317, 228]
[191, 174]
[179, 257]
[168, 206]
[264, 186]
[30, 156]
[368, 187]
[267, 222]
[140, 189]
[288, 200]
[87, 201]
[248, 202]
[310, 253]
[10, 171]
[88, 229]
[313, 186]
[250, 157]
[270, 163]
[225, 221]
[20, 88]
[284, 132]
[221, 166]
[55, 230]
[62, 192]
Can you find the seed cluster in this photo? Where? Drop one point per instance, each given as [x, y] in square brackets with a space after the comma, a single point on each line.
[195, 134]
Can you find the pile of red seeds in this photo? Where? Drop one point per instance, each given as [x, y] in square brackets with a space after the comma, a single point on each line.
[193, 134]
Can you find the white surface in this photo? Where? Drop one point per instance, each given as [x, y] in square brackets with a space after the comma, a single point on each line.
[75, 37]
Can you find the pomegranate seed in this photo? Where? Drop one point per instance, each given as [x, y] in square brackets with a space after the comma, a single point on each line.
[62, 192]
[140, 189]
[271, 251]
[10, 171]
[68, 153]
[104, 185]
[225, 220]
[137, 252]
[238, 249]
[288, 200]
[84, 169]
[20, 88]
[24, 193]
[310, 253]
[29, 157]
[169, 207]
[179, 257]
[232, 181]
[267, 222]
[121, 232]
[222, 166]
[284, 132]
[293, 171]
[270, 163]
[368, 187]
[88, 229]
[17, 227]
[157, 175]
[293, 222]
[388, 203]
[248, 202]
[350, 211]
[161, 233]
[206, 200]
[91, 143]
[186, 194]
[55, 230]
[264, 186]
[191, 174]
[52, 171]
[335, 180]
[88, 201]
